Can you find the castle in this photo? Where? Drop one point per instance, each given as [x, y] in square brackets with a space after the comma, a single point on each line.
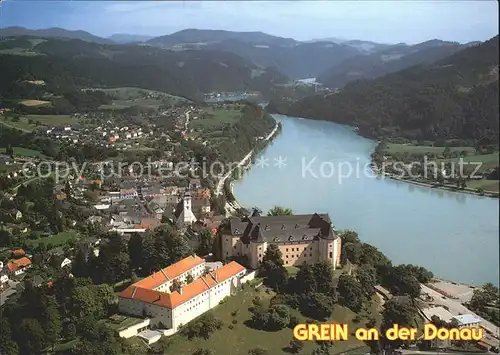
[301, 238]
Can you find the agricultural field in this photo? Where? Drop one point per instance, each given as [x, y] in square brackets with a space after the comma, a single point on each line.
[220, 117]
[421, 149]
[486, 185]
[29, 122]
[126, 97]
[242, 337]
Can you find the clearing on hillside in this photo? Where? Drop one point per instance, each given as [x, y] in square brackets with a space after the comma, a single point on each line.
[35, 103]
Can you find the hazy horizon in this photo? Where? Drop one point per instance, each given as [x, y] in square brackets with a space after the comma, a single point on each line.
[383, 21]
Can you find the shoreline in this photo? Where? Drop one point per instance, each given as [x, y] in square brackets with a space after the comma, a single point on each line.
[449, 188]
[469, 191]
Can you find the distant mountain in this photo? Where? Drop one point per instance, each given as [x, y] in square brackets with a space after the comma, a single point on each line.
[328, 39]
[124, 38]
[192, 36]
[385, 61]
[71, 64]
[54, 32]
[292, 58]
[367, 46]
[453, 98]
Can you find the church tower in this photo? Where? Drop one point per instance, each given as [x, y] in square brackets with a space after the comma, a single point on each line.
[187, 216]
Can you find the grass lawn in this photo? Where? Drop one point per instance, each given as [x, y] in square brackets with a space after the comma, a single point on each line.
[55, 240]
[221, 117]
[487, 185]
[241, 338]
[23, 152]
[488, 160]
[410, 148]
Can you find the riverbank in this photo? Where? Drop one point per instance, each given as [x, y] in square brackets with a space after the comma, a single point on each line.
[446, 187]
[232, 205]
[433, 185]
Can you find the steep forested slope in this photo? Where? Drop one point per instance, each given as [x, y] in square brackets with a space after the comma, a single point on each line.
[456, 97]
[387, 61]
[70, 64]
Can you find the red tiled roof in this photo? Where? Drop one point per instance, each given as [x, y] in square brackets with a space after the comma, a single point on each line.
[14, 265]
[170, 272]
[174, 299]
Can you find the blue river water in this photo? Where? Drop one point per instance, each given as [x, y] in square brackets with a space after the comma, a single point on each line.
[306, 168]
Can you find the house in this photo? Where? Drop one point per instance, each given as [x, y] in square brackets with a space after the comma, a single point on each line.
[65, 262]
[128, 193]
[194, 184]
[18, 266]
[18, 215]
[301, 238]
[468, 321]
[5, 159]
[169, 308]
[4, 278]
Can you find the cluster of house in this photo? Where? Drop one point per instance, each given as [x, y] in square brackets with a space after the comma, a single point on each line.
[136, 205]
[106, 135]
[21, 262]
[16, 266]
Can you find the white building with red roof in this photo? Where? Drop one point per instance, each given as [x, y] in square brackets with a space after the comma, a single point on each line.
[153, 297]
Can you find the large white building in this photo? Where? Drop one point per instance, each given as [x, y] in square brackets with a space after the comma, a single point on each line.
[168, 309]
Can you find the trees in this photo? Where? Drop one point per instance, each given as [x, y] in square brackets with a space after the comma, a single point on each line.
[295, 346]
[258, 351]
[202, 327]
[397, 310]
[203, 352]
[276, 276]
[367, 277]
[317, 305]
[350, 292]
[279, 317]
[7, 345]
[401, 282]
[176, 286]
[279, 211]
[164, 247]
[32, 341]
[91, 301]
[206, 242]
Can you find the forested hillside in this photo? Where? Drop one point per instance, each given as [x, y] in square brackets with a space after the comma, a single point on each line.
[73, 64]
[387, 61]
[456, 97]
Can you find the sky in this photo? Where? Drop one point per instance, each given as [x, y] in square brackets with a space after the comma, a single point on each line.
[380, 21]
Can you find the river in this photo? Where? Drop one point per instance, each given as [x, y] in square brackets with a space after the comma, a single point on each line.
[452, 234]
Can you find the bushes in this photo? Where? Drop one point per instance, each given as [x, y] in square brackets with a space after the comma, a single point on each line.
[202, 327]
[276, 317]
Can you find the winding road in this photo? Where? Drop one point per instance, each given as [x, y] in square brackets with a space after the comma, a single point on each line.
[233, 206]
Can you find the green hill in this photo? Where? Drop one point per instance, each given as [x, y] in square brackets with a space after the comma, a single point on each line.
[456, 97]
